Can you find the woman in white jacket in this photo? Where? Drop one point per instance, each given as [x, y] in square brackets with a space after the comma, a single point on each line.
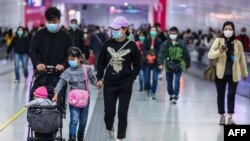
[231, 65]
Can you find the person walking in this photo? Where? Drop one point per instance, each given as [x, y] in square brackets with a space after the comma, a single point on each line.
[243, 37]
[77, 37]
[121, 61]
[20, 44]
[176, 55]
[151, 47]
[49, 45]
[230, 66]
[77, 76]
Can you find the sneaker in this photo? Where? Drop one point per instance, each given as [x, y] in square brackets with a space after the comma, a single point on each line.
[111, 135]
[148, 94]
[174, 101]
[140, 90]
[153, 96]
[171, 97]
[16, 81]
[160, 77]
[120, 140]
[222, 120]
[230, 122]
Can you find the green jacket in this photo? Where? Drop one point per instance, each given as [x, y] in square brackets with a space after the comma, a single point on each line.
[178, 52]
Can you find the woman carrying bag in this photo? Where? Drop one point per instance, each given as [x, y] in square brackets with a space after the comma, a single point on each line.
[118, 66]
[230, 66]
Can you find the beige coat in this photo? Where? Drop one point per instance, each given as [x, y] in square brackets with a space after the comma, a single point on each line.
[239, 66]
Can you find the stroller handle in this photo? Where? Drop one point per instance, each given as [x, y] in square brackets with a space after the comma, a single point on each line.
[50, 67]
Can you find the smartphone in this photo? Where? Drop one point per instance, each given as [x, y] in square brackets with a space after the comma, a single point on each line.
[224, 47]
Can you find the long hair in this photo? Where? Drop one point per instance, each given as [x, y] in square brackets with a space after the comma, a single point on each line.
[232, 25]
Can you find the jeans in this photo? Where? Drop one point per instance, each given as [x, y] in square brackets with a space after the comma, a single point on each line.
[111, 95]
[142, 80]
[24, 59]
[221, 90]
[78, 115]
[173, 90]
[151, 88]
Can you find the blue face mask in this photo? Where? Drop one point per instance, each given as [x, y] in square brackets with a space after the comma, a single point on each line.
[116, 34]
[52, 27]
[73, 64]
[73, 26]
[19, 33]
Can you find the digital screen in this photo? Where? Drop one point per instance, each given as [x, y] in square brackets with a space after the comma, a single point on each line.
[35, 3]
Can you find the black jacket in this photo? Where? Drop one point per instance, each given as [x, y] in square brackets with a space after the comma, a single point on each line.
[96, 41]
[20, 45]
[78, 40]
[124, 68]
[50, 48]
[147, 46]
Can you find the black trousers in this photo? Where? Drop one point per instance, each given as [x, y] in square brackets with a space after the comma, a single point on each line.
[111, 95]
[221, 90]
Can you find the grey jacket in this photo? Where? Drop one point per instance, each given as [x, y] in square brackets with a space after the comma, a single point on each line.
[75, 78]
[40, 102]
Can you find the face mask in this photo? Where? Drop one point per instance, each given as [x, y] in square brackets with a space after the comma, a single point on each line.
[116, 34]
[73, 26]
[141, 38]
[243, 33]
[153, 34]
[228, 33]
[73, 64]
[52, 27]
[19, 33]
[173, 36]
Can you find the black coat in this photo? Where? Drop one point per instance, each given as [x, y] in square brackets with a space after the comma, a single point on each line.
[20, 45]
[78, 40]
[50, 48]
[147, 46]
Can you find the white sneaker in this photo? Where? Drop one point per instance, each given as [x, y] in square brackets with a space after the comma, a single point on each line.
[111, 135]
[120, 140]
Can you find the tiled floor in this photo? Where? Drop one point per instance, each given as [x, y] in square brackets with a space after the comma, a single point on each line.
[194, 118]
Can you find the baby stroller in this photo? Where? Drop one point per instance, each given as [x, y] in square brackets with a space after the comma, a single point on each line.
[45, 122]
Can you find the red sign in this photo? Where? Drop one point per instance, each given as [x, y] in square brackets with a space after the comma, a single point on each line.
[34, 16]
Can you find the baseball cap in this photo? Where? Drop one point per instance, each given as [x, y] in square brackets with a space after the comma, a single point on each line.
[119, 22]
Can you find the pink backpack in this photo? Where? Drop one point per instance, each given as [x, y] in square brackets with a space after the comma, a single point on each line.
[80, 98]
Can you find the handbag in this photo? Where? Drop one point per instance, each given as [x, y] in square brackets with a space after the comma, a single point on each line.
[173, 66]
[209, 73]
[79, 98]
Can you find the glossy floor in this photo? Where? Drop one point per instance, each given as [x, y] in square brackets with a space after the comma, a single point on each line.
[194, 118]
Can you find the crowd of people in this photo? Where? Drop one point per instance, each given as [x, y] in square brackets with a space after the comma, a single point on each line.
[119, 56]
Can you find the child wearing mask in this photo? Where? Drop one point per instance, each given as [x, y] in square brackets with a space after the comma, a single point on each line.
[77, 77]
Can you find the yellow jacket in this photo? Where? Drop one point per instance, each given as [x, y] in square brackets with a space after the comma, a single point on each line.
[239, 66]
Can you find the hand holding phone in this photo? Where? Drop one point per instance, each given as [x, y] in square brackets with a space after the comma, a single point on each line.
[223, 49]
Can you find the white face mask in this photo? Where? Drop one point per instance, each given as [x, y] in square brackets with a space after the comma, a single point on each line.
[173, 36]
[228, 33]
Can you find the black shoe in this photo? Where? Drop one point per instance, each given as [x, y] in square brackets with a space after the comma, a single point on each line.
[72, 138]
[153, 96]
[140, 90]
[80, 137]
[171, 97]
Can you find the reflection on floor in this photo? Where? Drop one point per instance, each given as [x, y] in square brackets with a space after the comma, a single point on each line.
[194, 118]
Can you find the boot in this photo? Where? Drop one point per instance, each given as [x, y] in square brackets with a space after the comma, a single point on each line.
[72, 138]
[80, 137]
